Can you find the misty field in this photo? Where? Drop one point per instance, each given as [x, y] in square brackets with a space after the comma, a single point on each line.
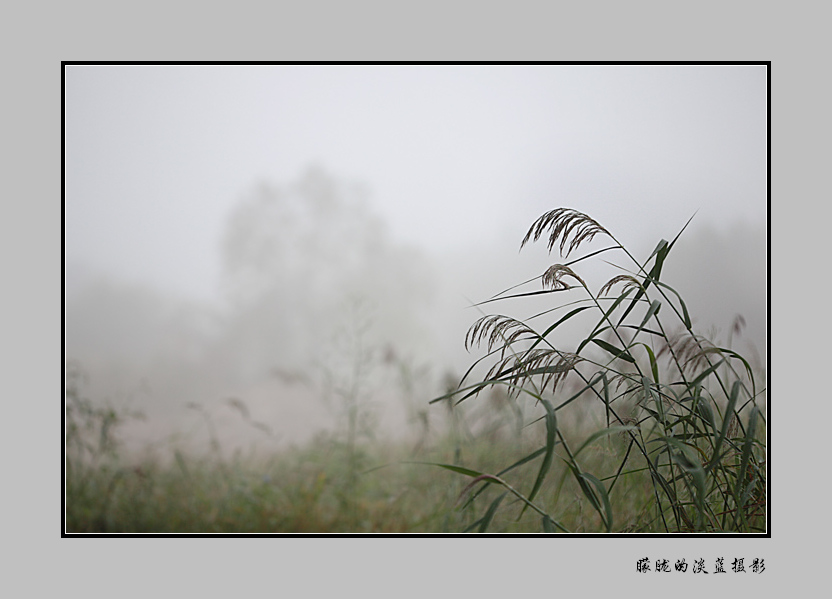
[643, 426]
[325, 487]
[332, 484]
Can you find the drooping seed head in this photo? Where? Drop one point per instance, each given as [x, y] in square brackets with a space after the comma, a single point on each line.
[563, 223]
[554, 275]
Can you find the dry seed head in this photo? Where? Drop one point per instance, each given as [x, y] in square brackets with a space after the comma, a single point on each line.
[528, 363]
[627, 421]
[238, 405]
[689, 350]
[630, 283]
[495, 330]
[565, 363]
[553, 275]
[738, 325]
[733, 427]
[563, 223]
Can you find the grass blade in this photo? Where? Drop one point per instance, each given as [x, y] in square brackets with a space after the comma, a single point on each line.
[551, 435]
[716, 458]
[489, 514]
[660, 253]
[747, 447]
[618, 353]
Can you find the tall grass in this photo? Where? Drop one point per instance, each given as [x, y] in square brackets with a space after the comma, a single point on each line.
[681, 418]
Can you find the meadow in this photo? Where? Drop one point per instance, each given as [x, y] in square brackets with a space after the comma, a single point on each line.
[644, 426]
[326, 486]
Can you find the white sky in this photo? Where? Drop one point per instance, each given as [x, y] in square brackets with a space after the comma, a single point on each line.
[453, 156]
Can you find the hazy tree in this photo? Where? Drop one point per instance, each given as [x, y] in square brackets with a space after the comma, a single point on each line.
[296, 260]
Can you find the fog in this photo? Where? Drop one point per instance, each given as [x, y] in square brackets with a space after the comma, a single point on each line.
[246, 248]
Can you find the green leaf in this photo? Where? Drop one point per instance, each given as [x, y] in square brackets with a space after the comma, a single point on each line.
[653, 309]
[679, 234]
[535, 454]
[646, 330]
[551, 435]
[703, 375]
[451, 467]
[618, 353]
[747, 448]
[688, 461]
[490, 478]
[726, 422]
[472, 526]
[685, 316]
[548, 525]
[649, 392]
[604, 318]
[528, 458]
[561, 321]
[656, 475]
[654, 364]
[606, 396]
[703, 409]
[733, 354]
[593, 489]
[660, 253]
[489, 515]
[606, 515]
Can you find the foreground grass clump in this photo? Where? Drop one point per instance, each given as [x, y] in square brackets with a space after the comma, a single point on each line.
[686, 409]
